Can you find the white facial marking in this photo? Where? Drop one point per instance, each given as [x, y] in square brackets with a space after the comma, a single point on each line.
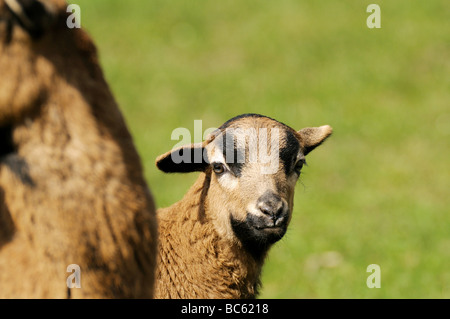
[227, 180]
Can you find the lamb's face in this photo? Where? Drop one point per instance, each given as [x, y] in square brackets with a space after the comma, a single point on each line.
[254, 163]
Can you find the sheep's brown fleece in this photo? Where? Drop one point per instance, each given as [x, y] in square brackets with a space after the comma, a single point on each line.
[216, 269]
[71, 182]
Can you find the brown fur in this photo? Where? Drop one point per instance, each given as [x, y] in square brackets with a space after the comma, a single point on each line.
[201, 255]
[193, 260]
[73, 190]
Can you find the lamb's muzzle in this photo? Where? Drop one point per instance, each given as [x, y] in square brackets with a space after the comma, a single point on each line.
[274, 207]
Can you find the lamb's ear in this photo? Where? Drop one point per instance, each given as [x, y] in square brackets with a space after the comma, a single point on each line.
[311, 137]
[184, 159]
[35, 16]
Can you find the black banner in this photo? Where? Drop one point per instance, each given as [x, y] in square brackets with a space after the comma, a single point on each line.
[259, 308]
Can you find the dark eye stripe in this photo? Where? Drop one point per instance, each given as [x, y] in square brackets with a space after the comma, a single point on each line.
[236, 162]
[289, 153]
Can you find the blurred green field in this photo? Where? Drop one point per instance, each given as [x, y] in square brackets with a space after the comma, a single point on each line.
[377, 192]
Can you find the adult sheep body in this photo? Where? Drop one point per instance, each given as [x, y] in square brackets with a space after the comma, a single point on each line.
[213, 242]
[72, 189]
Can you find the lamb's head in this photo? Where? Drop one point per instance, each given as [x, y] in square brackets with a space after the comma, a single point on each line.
[252, 163]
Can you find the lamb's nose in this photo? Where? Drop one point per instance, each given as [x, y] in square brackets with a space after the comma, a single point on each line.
[270, 204]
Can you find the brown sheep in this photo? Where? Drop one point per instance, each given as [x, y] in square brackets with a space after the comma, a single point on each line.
[213, 242]
[72, 189]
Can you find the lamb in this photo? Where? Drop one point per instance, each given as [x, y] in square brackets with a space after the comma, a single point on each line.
[72, 189]
[213, 242]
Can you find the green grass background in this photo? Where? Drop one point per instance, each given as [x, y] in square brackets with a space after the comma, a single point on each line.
[377, 192]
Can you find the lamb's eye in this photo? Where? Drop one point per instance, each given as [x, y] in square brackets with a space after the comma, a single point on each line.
[298, 166]
[218, 168]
